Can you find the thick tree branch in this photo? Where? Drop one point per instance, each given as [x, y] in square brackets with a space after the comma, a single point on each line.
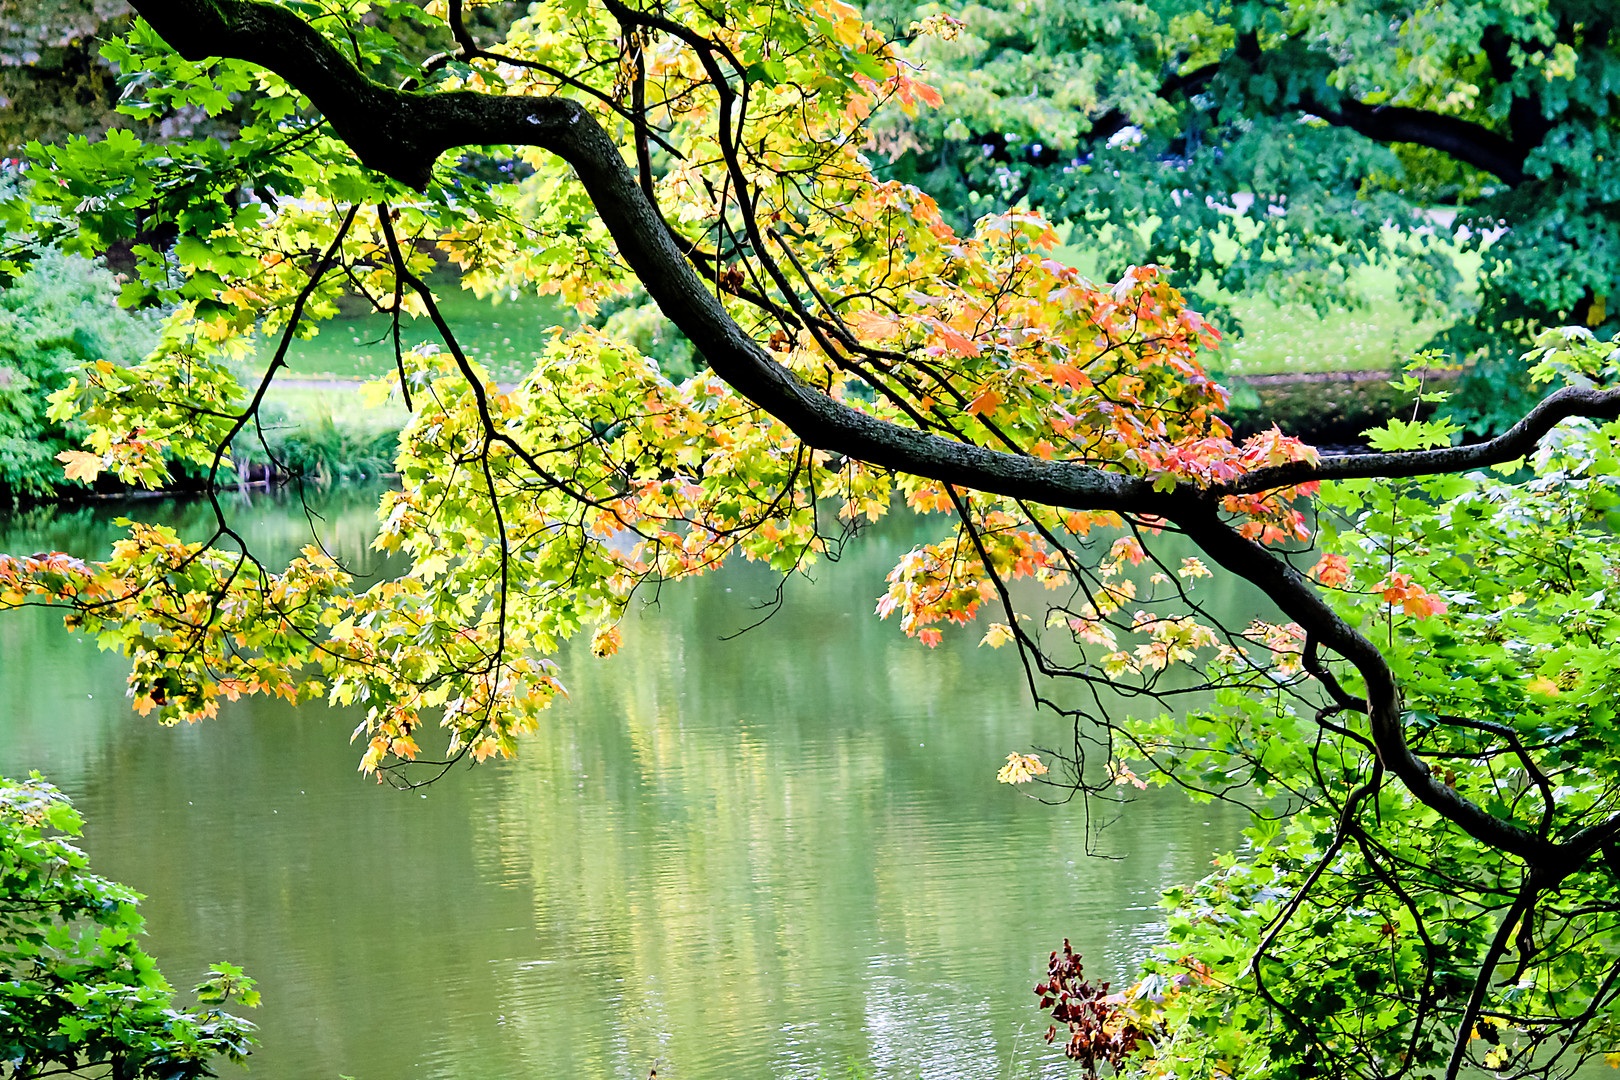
[1514, 443]
[1468, 142]
[401, 135]
[1464, 140]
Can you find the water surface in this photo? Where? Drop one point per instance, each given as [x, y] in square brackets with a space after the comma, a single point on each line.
[782, 855]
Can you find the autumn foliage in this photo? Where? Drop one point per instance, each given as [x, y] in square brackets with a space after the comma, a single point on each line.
[1420, 721]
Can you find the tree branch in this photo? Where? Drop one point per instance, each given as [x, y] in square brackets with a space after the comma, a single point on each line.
[1290, 591]
[1514, 443]
[1468, 142]
[401, 135]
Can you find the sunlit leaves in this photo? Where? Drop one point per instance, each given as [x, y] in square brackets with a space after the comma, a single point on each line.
[1489, 595]
[1021, 769]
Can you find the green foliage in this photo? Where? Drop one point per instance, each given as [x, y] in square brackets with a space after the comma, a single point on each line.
[636, 320]
[58, 315]
[78, 996]
[1353, 932]
[318, 445]
[1062, 427]
[1225, 142]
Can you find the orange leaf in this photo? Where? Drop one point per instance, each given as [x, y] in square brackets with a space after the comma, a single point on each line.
[80, 465]
[1021, 769]
[958, 342]
[1331, 570]
[874, 325]
[985, 403]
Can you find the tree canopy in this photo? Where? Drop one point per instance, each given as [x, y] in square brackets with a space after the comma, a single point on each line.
[1276, 147]
[1423, 731]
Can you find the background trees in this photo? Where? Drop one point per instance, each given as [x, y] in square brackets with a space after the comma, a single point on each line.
[1278, 147]
[1421, 736]
[55, 317]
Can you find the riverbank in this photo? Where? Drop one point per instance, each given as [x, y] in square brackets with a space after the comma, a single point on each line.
[1330, 408]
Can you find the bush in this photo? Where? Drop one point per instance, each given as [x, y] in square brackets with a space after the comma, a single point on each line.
[318, 446]
[60, 314]
[76, 991]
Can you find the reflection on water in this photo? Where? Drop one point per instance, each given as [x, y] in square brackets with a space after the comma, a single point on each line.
[775, 856]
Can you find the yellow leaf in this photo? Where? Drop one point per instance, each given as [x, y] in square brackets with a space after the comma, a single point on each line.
[1542, 685]
[374, 392]
[80, 465]
[606, 641]
[1021, 769]
[997, 636]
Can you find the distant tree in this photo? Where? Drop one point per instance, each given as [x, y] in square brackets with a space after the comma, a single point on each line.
[59, 314]
[1424, 730]
[53, 79]
[1275, 147]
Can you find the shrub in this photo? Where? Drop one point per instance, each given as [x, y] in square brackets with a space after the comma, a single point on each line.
[60, 314]
[77, 993]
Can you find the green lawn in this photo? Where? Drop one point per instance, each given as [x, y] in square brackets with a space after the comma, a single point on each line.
[502, 335]
[1280, 338]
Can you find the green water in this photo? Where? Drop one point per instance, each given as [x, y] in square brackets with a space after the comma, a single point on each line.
[783, 855]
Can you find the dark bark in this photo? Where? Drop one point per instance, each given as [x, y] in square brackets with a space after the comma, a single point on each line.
[1514, 443]
[1468, 142]
[401, 134]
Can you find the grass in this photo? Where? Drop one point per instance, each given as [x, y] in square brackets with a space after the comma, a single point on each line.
[1379, 334]
[1279, 338]
[1293, 338]
[326, 434]
[502, 335]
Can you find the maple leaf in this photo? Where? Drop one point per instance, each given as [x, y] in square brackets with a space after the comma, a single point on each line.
[1423, 604]
[1331, 570]
[985, 403]
[80, 465]
[997, 636]
[606, 641]
[1021, 769]
[874, 326]
[956, 341]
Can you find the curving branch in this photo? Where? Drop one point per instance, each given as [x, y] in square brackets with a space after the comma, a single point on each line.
[1300, 601]
[402, 134]
[1465, 140]
[1468, 142]
[1512, 444]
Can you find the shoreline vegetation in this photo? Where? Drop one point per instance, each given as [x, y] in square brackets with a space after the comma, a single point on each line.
[1325, 377]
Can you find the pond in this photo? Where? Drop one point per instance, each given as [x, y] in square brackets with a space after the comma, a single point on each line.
[779, 855]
